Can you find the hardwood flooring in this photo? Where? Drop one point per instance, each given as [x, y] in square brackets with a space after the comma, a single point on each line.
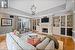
[2, 37]
[68, 42]
[3, 42]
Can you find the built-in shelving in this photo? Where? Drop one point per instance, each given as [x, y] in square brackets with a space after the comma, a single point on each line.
[62, 25]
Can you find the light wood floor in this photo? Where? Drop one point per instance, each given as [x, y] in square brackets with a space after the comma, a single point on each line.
[68, 42]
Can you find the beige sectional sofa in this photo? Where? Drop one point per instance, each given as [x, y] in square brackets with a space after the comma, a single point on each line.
[16, 43]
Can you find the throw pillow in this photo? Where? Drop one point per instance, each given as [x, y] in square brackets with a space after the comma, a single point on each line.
[16, 32]
[50, 46]
[33, 41]
[43, 44]
[42, 39]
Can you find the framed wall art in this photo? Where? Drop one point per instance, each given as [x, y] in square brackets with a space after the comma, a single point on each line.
[6, 22]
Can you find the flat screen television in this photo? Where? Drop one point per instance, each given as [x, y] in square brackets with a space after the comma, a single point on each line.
[45, 20]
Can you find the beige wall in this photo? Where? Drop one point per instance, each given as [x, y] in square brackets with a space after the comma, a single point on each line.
[6, 29]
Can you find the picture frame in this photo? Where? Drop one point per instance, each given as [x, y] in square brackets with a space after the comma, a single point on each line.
[6, 22]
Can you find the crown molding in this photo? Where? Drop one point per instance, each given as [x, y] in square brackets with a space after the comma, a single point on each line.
[12, 11]
[54, 9]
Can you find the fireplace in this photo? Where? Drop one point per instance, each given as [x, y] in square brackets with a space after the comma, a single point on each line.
[45, 30]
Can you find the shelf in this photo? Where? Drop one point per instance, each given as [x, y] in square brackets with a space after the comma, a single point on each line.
[63, 25]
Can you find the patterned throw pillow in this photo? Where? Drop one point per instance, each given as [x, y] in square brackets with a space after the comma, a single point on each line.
[16, 32]
[33, 41]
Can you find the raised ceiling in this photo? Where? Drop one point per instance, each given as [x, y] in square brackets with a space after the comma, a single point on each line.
[42, 5]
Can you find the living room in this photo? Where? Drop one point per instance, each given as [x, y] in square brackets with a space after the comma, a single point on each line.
[52, 19]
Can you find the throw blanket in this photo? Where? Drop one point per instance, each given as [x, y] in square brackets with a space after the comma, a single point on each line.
[56, 44]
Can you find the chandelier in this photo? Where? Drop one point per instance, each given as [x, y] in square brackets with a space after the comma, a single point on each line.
[33, 8]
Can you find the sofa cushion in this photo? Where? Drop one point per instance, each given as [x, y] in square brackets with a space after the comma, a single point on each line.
[42, 37]
[33, 41]
[16, 32]
[43, 44]
[24, 38]
[26, 46]
[20, 45]
[50, 46]
[11, 44]
[14, 36]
